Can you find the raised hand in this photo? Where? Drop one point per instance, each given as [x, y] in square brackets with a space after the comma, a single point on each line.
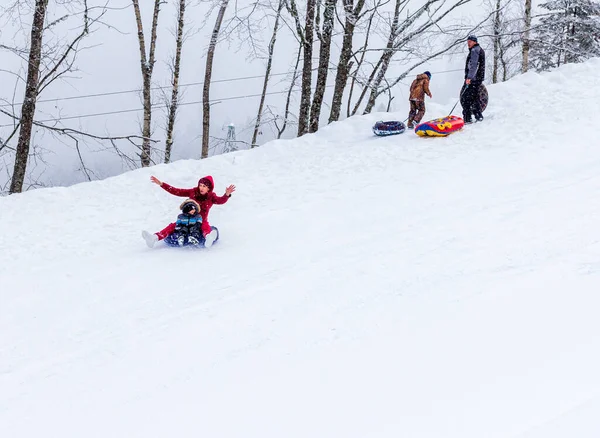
[229, 190]
[155, 180]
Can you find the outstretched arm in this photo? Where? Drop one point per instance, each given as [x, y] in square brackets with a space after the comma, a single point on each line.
[223, 199]
[172, 190]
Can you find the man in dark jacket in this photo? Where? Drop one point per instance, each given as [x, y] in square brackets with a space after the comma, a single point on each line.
[474, 76]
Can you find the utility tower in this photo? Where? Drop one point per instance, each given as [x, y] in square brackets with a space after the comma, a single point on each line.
[230, 142]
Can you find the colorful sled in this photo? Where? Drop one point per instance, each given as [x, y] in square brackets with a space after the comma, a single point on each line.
[383, 129]
[440, 127]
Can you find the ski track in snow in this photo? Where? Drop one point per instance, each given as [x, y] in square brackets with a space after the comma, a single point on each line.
[362, 286]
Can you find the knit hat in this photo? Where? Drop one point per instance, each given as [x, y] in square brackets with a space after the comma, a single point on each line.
[472, 38]
[207, 182]
[189, 205]
[428, 74]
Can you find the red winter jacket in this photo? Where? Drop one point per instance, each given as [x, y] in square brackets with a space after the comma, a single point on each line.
[205, 201]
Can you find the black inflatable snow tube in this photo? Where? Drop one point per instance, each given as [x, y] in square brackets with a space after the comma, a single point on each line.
[389, 128]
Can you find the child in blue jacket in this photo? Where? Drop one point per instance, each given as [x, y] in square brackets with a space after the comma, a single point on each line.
[188, 224]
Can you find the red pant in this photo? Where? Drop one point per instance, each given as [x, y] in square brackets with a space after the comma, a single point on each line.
[165, 232]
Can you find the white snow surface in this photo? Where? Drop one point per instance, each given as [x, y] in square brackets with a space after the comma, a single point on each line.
[362, 287]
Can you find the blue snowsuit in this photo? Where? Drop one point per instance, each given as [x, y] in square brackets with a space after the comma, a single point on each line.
[187, 225]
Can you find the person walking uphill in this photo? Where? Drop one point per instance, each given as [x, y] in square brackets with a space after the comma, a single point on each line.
[203, 194]
[474, 76]
[418, 89]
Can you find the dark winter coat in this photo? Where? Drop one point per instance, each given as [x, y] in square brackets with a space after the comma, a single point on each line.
[475, 65]
[205, 201]
[188, 219]
[419, 88]
[189, 223]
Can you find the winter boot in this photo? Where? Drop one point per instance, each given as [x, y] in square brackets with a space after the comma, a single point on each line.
[210, 238]
[180, 240]
[150, 239]
[193, 241]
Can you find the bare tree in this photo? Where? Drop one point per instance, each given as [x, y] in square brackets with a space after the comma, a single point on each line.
[497, 30]
[344, 64]
[52, 57]
[147, 66]
[174, 103]
[403, 33]
[46, 63]
[323, 69]
[506, 30]
[363, 51]
[286, 114]
[306, 36]
[384, 60]
[307, 52]
[31, 94]
[207, 78]
[271, 50]
[527, 17]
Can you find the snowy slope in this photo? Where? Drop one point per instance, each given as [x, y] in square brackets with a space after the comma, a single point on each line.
[363, 287]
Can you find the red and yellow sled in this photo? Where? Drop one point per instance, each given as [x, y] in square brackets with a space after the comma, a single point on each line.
[440, 127]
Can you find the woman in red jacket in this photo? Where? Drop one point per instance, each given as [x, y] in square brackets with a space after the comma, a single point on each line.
[203, 194]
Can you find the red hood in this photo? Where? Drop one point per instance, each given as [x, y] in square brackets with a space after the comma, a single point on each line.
[212, 182]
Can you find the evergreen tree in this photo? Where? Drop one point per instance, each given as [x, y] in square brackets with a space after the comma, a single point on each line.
[568, 32]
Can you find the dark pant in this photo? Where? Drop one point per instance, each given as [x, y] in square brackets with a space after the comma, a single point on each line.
[417, 111]
[186, 231]
[171, 239]
[470, 101]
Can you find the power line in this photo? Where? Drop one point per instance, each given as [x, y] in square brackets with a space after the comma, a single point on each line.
[114, 93]
[131, 110]
[212, 102]
[191, 84]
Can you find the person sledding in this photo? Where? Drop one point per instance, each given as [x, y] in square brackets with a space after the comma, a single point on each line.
[205, 197]
[188, 229]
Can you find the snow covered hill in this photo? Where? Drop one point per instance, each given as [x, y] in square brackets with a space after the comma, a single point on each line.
[363, 287]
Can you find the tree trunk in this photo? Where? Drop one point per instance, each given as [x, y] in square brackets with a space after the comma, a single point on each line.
[385, 63]
[359, 64]
[323, 69]
[289, 95]
[172, 110]
[366, 87]
[345, 55]
[307, 50]
[525, 65]
[267, 73]
[147, 67]
[496, 42]
[207, 78]
[401, 34]
[30, 98]
[504, 63]
[385, 59]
